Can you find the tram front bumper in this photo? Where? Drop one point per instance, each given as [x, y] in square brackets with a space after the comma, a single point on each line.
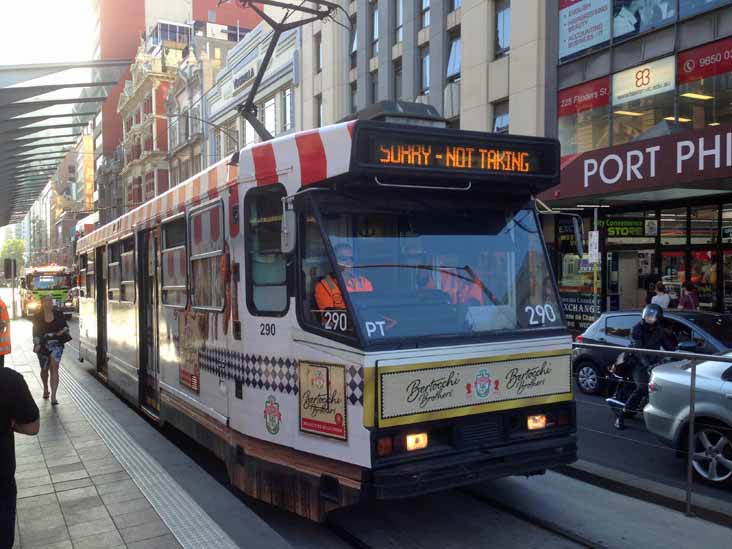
[442, 473]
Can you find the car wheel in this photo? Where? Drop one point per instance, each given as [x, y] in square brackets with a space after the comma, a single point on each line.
[588, 378]
[712, 459]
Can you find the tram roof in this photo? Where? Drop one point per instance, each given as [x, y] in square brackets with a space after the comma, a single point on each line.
[308, 157]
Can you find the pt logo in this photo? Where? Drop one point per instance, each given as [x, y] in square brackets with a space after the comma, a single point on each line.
[483, 383]
[272, 415]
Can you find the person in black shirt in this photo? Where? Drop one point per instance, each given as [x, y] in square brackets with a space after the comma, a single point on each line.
[50, 332]
[18, 414]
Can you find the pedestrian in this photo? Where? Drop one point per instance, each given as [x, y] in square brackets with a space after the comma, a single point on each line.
[18, 414]
[50, 332]
[4, 332]
[689, 298]
[661, 298]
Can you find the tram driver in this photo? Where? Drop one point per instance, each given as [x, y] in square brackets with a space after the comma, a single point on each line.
[328, 294]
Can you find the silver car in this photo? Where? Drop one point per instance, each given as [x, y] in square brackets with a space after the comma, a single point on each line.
[667, 415]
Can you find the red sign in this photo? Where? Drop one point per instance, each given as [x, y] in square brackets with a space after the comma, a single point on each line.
[587, 96]
[567, 3]
[706, 61]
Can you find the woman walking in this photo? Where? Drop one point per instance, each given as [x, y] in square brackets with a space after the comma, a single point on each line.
[689, 298]
[50, 332]
[661, 298]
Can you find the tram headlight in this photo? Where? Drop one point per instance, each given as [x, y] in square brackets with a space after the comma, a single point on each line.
[384, 446]
[417, 441]
[536, 422]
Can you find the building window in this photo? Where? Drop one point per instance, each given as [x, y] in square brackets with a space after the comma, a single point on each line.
[270, 116]
[354, 42]
[196, 163]
[584, 123]
[642, 97]
[318, 110]
[632, 17]
[318, 52]
[500, 117]
[207, 246]
[91, 277]
[287, 110]
[424, 57]
[503, 26]
[249, 134]
[266, 264]
[398, 21]
[173, 263]
[455, 4]
[454, 57]
[425, 14]
[230, 136]
[354, 97]
[374, 87]
[398, 79]
[374, 28]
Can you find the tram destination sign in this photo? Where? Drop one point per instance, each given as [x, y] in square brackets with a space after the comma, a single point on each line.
[452, 152]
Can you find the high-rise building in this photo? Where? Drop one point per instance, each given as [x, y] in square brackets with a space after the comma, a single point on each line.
[481, 63]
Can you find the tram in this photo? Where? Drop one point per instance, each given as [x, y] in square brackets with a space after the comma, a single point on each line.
[362, 311]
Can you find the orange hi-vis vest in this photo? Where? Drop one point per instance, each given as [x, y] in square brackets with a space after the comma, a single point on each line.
[4, 329]
[328, 295]
[460, 291]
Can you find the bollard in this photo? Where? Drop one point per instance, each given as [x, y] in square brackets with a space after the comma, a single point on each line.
[690, 453]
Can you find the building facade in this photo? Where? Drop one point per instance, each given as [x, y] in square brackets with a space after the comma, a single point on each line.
[481, 63]
[644, 113]
[276, 100]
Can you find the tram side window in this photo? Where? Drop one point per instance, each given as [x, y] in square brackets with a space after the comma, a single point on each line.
[127, 270]
[113, 271]
[83, 263]
[322, 304]
[175, 277]
[90, 276]
[208, 268]
[266, 265]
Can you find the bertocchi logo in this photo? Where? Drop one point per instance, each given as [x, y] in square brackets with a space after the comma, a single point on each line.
[272, 415]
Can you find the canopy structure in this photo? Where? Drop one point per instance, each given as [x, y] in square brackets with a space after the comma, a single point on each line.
[43, 110]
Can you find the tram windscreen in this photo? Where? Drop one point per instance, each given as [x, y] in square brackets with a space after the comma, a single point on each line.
[50, 282]
[429, 267]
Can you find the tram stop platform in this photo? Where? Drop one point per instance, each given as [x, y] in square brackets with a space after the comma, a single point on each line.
[99, 475]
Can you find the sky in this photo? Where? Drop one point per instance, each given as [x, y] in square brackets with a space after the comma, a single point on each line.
[46, 31]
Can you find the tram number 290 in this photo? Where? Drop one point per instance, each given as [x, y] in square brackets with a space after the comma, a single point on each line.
[335, 320]
[267, 329]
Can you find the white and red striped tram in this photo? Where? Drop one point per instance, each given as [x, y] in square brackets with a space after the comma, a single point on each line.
[450, 367]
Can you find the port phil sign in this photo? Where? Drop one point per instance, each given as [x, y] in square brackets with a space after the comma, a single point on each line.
[667, 161]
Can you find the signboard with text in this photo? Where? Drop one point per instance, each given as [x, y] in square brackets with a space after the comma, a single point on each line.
[585, 97]
[644, 81]
[583, 24]
[704, 62]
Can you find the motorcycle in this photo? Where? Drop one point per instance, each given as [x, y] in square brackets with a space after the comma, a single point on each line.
[621, 385]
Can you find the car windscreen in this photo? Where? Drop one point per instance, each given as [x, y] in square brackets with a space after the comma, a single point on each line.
[718, 326]
[50, 282]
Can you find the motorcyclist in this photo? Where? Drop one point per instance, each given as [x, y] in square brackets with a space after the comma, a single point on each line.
[649, 333]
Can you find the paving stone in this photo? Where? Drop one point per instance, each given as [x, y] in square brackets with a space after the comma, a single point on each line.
[56, 469]
[140, 504]
[38, 532]
[149, 530]
[39, 513]
[72, 484]
[33, 482]
[117, 485]
[134, 519]
[81, 503]
[72, 475]
[100, 541]
[31, 474]
[105, 469]
[36, 501]
[48, 544]
[77, 516]
[77, 494]
[68, 460]
[163, 542]
[34, 491]
[121, 496]
[91, 528]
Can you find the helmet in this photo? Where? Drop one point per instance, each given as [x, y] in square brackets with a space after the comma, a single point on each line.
[652, 314]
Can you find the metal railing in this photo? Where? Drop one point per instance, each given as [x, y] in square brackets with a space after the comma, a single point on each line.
[694, 359]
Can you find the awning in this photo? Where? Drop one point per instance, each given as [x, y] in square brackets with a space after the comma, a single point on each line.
[43, 110]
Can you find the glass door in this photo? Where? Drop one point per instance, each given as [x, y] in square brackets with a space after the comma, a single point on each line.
[704, 276]
[673, 274]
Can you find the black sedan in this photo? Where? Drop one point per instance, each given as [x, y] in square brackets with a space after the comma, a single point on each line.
[711, 332]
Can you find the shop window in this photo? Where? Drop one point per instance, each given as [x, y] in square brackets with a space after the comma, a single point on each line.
[673, 274]
[673, 227]
[173, 263]
[270, 116]
[127, 270]
[631, 277]
[500, 117]
[503, 26]
[726, 223]
[705, 85]
[727, 281]
[576, 277]
[114, 271]
[91, 280]
[642, 97]
[266, 265]
[704, 277]
[205, 227]
[631, 17]
[704, 225]
[287, 110]
[584, 123]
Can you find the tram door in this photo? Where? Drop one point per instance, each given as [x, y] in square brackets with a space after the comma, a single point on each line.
[149, 365]
[100, 268]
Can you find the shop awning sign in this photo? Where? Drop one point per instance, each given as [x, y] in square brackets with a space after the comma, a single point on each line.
[704, 62]
[644, 81]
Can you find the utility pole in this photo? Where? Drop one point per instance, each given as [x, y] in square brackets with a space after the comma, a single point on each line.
[316, 10]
